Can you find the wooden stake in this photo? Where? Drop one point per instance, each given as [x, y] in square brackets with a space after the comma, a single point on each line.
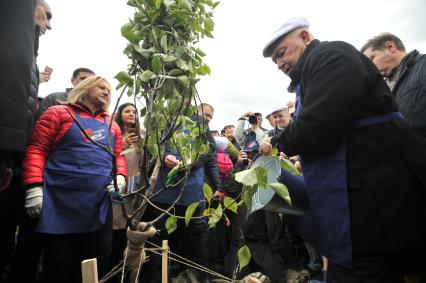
[165, 261]
[89, 270]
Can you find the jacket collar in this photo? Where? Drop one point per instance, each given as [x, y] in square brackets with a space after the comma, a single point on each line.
[407, 62]
[296, 74]
[81, 107]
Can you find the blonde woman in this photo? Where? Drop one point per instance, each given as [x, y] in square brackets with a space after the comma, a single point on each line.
[67, 178]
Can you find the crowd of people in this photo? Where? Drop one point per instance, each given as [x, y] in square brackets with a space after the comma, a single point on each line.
[356, 134]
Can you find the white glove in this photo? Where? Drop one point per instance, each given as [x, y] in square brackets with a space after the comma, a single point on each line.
[121, 183]
[34, 201]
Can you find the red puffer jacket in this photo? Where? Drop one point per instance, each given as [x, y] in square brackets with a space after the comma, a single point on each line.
[50, 129]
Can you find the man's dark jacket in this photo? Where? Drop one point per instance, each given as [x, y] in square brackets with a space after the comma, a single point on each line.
[16, 59]
[386, 164]
[410, 92]
[51, 100]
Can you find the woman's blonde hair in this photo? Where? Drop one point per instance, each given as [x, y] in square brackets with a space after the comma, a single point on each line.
[80, 92]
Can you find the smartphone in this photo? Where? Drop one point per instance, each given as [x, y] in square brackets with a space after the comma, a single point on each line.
[132, 130]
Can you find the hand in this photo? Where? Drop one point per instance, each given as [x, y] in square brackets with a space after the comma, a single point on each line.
[298, 166]
[5, 178]
[171, 161]
[265, 146]
[132, 139]
[247, 114]
[121, 184]
[45, 75]
[34, 201]
[242, 156]
[219, 195]
[282, 156]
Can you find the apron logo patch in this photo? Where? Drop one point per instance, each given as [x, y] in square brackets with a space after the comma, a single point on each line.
[94, 135]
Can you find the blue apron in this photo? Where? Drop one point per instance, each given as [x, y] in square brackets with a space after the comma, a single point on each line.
[76, 175]
[326, 185]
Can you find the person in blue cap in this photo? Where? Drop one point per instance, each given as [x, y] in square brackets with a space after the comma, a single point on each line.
[364, 169]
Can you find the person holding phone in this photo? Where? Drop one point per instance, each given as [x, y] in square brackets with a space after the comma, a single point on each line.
[127, 120]
[249, 139]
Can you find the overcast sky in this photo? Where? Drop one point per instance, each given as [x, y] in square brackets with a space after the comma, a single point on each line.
[86, 33]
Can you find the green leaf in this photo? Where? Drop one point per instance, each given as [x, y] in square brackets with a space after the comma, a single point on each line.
[190, 211]
[187, 122]
[262, 176]
[208, 25]
[230, 204]
[244, 256]
[156, 65]
[171, 176]
[163, 43]
[203, 70]
[282, 191]
[169, 58]
[208, 192]
[274, 151]
[287, 165]
[171, 224]
[152, 145]
[247, 198]
[183, 80]
[175, 72]
[184, 4]
[200, 52]
[119, 85]
[204, 149]
[209, 34]
[208, 212]
[154, 39]
[144, 52]
[157, 4]
[168, 3]
[247, 177]
[182, 65]
[146, 76]
[131, 35]
[215, 217]
[206, 69]
[124, 78]
[132, 3]
[195, 133]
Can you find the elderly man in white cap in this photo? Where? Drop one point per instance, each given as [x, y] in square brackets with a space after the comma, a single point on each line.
[364, 169]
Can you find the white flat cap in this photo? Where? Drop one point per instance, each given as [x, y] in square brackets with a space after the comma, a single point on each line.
[285, 28]
[276, 110]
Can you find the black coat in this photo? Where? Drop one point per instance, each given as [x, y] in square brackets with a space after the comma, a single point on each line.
[52, 99]
[410, 92]
[16, 58]
[386, 164]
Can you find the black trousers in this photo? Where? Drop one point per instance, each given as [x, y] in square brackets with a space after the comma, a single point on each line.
[64, 253]
[387, 268]
[190, 241]
[11, 201]
[28, 250]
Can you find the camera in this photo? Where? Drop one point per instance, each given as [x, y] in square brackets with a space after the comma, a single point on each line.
[252, 119]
